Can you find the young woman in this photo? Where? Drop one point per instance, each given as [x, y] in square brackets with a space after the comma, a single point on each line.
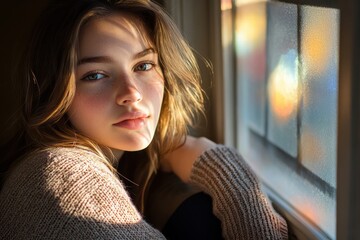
[107, 82]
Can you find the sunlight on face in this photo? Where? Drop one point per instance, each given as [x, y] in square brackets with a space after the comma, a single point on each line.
[119, 84]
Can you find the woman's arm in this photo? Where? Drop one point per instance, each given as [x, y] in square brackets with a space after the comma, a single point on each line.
[238, 201]
[182, 159]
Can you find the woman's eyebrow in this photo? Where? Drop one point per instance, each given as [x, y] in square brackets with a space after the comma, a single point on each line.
[144, 53]
[107, 59]
[97, 59]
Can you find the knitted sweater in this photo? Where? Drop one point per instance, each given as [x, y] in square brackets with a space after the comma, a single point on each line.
[65, 193]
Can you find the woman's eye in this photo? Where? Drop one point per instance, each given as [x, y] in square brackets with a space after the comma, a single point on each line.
[144, 67]
[94, 76]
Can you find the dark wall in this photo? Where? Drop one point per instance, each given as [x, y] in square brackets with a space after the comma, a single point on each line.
[16, 21]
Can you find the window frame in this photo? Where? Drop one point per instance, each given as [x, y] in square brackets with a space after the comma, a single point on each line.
[348, 165]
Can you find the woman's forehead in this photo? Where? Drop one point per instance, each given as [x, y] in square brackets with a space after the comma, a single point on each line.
[117, 25]
[114, 38]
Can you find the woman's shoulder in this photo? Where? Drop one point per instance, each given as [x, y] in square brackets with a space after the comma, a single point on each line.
[57, 165]
[62, 158]
[60, 173]
[63, 188]
[51, 154]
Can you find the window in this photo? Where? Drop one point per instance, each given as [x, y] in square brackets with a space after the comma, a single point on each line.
[315, 44]
[287, 75]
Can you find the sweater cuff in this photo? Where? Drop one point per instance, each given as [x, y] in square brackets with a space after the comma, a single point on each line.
[238, 201]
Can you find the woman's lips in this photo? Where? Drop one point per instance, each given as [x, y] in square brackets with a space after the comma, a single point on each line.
[132, 120]
[132, 124]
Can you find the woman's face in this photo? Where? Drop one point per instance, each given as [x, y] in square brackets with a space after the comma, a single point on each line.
[119, 84]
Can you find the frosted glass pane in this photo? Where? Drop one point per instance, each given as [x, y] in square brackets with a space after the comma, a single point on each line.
[251, 54]
[283, 76]
[319, 57]
[297, 154]
[227, 36]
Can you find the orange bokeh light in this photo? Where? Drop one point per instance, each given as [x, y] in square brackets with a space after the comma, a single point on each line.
[283, 87]
[226, 4]
[250, 29]
[308, 209]
[317, 41]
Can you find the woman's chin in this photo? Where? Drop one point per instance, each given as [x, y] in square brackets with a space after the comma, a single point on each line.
[132, 146]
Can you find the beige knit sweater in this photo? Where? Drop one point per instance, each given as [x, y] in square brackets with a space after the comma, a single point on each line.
[66, 193]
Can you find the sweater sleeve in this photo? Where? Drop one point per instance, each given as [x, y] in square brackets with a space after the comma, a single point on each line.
[238, 201]
[70, 194]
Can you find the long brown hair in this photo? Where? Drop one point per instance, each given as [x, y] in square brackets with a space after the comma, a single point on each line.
[46, 75]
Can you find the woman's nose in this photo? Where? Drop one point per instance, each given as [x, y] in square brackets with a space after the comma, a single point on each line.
[128, 93]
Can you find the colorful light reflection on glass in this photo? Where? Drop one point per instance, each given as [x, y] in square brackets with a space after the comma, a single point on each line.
[283, 88]
[283, 80]
[251, 55]
[250, 29]
[319, 61]
[226, 5]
